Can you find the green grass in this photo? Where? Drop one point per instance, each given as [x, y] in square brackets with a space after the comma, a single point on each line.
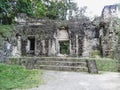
[12, 77]
[107, 65]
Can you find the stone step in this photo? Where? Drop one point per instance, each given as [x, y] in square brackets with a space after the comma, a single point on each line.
[62, 68]
[62, 63]
[60, 59]
[54, 63]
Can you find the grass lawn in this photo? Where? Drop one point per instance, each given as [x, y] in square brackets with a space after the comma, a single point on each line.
[107, 64]
[12, 77]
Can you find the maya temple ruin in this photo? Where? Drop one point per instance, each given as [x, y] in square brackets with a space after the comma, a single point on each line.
[64, 44]
[75, 38]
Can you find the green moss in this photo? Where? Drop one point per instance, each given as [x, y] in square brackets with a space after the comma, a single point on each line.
[96, 53]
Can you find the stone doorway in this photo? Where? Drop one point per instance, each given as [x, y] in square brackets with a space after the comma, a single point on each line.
[64, 47]
[31, 45]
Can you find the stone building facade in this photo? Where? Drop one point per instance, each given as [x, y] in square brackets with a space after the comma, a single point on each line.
[55, 38]
[78, 37]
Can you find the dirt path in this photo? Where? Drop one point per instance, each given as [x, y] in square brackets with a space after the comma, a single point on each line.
[56, 80]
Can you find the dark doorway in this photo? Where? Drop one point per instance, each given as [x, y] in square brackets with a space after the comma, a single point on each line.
[64, 47]
[32, 45]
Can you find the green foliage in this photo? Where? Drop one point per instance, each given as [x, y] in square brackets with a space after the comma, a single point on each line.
[6, 30]
[24, 6]
[40, 10]
[35, 8]
[6, 7]
[64, 47]
[58, 9]
[12, 77]
[52, 11]
[6, 11]
[10, 8]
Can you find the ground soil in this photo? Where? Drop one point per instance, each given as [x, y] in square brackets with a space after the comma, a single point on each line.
[57, 80]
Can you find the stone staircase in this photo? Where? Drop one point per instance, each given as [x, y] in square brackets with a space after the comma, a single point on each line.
[56, 63]
[61, 64]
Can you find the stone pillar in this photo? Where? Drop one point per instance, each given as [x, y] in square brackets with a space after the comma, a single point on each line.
[19, 45]
[35, 52]
[49, 47]
[43, 49]
[16, 49]
[23, 47]
[70, 47]
[52, 48]
[85, 48]
[28, 46]
[57, 47]
[76, 45]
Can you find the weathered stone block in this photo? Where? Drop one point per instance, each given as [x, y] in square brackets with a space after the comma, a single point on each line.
[92, 67]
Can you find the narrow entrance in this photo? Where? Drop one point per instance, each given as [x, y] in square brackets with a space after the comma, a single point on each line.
[64, 47]
[32, 45]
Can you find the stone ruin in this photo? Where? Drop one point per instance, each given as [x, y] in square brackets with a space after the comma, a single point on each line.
[110, 28]
[110, 11]
[80, 37]
[55, 38]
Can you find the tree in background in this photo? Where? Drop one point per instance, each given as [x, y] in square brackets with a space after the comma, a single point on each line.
[53, 9]
[80, 13]
[56, 9]
[24, 6]
[72, 8]
[33, 8]
[7, 11]
[10, 8]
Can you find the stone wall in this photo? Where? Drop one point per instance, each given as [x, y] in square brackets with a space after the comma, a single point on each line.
[47, 35]
[111, 11]
[109, 38]
[109, 26]
[44, 37]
